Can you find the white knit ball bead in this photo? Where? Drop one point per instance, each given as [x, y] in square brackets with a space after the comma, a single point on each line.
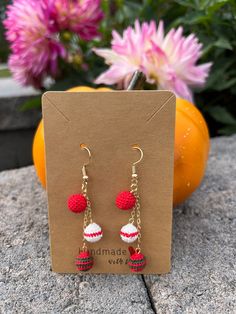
[129, 233]
[93, 232]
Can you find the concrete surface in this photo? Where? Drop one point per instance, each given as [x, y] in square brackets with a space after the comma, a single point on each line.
[202, 280]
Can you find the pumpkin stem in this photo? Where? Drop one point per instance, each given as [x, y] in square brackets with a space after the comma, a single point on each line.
[137, 81]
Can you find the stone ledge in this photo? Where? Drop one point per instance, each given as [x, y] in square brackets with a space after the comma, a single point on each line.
[203, 278]
[203, 273]
[12, 97]
[10, 88]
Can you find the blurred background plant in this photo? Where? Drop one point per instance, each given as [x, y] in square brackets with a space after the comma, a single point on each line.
[4, 47]
[213, 22]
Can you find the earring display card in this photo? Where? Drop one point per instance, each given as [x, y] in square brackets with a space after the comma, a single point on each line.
[109, 123]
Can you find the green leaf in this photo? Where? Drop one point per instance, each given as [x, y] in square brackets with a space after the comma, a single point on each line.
[225, 84]
[220, 114]
[5, 73]
[193, 18]
[228, 130]
[218, 75]
[223, 43]
[31, 104]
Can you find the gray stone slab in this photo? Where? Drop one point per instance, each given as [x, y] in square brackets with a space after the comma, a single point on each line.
[16, 148]
[203, 273]
[26, 283]
[203, 277]
[10, 88]
[12, 97]
[13, 118]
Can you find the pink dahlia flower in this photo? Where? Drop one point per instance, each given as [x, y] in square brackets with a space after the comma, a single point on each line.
[35, 47]
[78, 16]
[32, 28]
[168, 61]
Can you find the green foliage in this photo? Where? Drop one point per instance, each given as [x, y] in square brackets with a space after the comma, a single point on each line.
[4, 72]
[4, 49]
[213, 21]
[32, 103]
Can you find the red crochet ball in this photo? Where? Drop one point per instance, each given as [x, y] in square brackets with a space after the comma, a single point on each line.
[84, 261]
[125, 200]
[77, 203]
[137, 262]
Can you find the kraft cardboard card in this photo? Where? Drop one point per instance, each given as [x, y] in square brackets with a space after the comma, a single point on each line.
[109, 123]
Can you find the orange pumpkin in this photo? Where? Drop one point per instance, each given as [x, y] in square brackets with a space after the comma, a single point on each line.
[191, 148]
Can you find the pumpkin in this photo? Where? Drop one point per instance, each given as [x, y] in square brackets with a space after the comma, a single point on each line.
[191, 148]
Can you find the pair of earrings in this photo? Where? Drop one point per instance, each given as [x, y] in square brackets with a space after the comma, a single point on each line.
[92, 232]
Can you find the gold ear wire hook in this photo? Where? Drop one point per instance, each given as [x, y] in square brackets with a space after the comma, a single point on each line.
[84, 147]
[134, 173]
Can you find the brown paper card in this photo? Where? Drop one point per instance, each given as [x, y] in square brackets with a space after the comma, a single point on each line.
[110, 123]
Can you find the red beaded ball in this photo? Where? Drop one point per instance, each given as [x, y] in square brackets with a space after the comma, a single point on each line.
[77, 203]
[137, 262]
[84, 261]
[125, 200]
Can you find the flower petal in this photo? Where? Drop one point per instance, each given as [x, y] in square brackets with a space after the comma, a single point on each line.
[169, 61]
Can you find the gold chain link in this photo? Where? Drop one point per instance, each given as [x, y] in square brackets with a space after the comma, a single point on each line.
[88, 211]
[136, 209]
[138, 220]
[134, 185]
[84, 192]
[132, 217]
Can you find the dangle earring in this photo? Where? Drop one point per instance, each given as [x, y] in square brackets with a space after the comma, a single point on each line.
[92, 232]
[132, 231]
